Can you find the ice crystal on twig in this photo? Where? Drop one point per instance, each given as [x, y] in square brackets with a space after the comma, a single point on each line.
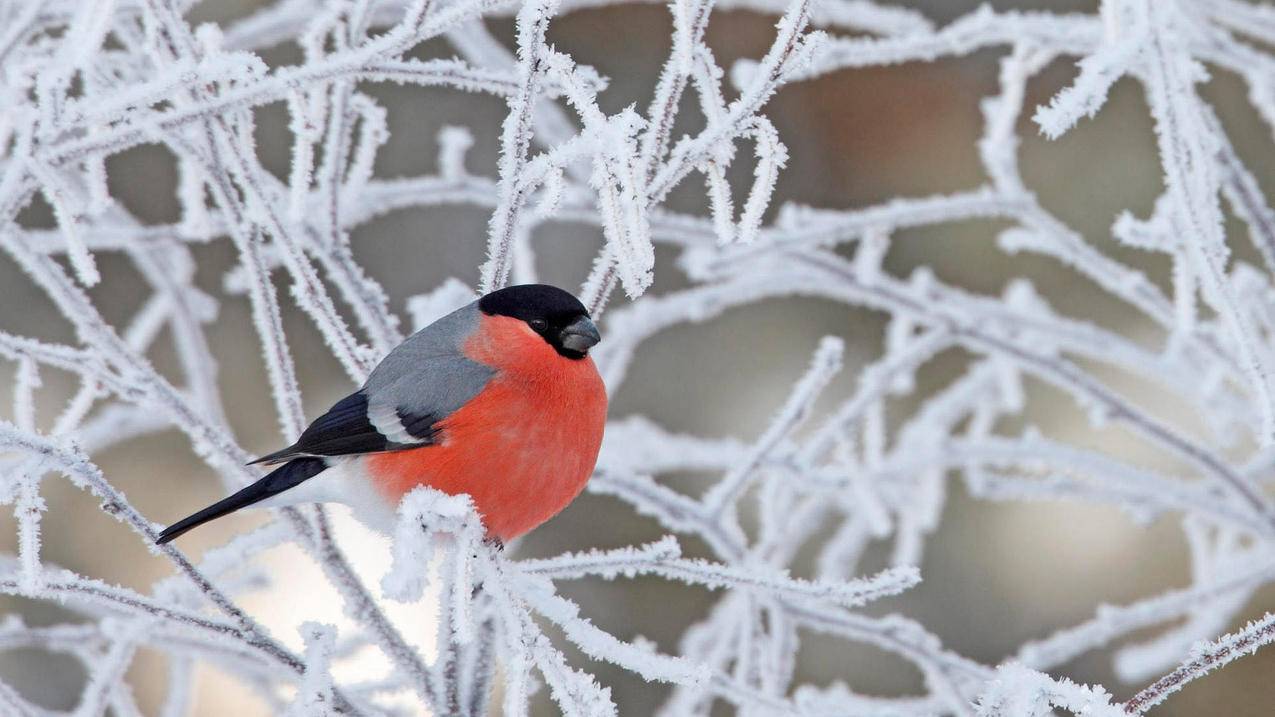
[83, 83]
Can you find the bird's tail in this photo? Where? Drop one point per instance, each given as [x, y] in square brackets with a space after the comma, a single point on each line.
[288, 475]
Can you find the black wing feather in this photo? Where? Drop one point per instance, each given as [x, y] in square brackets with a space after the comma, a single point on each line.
[422, 426]
[345, 430]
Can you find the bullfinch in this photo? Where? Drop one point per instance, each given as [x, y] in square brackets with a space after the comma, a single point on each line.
[498, 399]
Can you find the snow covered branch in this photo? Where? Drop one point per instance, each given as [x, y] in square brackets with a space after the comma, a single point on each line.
[784, 519]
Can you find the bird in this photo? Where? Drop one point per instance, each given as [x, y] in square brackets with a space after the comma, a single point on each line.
[499, 400]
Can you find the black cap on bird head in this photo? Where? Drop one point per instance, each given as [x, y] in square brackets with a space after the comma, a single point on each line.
[555, 314]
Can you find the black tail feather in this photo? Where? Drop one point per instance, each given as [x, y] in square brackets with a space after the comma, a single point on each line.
[288, 475]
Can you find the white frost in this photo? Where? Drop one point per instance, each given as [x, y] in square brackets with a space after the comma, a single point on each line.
[82, 83]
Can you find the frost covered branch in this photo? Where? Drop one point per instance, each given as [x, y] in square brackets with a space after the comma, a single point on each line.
[829, 475]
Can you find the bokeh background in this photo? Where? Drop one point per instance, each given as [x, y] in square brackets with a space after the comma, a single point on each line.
[995, 574]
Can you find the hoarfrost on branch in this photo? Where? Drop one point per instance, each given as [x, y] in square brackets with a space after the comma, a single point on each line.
[84, 81]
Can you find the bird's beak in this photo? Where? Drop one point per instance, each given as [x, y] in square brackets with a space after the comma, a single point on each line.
[580, 335]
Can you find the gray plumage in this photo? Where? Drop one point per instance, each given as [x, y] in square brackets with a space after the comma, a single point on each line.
[426, 375]
[419, 383]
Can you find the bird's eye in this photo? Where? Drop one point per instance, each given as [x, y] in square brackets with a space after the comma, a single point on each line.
[539, 324]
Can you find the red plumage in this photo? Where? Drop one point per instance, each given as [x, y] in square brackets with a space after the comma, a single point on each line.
[524, 447]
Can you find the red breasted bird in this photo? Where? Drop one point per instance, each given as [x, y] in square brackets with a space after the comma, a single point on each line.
[498, 399]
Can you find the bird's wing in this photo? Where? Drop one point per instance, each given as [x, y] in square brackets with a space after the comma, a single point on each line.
[421, 382]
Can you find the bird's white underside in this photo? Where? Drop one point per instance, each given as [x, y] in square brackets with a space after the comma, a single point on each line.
[345, 481]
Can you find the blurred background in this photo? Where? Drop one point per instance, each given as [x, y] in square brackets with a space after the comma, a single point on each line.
[995, 574]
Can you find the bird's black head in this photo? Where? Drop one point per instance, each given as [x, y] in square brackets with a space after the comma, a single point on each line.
[556, 315]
